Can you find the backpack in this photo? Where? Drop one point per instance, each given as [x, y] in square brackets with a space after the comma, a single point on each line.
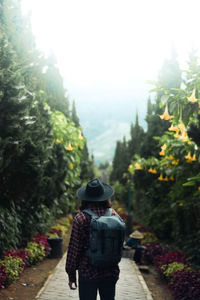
[106, 239]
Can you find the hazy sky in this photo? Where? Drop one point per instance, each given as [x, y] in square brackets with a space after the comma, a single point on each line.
[110, 48]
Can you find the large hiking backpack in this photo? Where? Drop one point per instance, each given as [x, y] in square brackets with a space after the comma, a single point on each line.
[107, 235]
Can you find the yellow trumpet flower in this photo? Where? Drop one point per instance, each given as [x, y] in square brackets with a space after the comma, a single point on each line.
[194, 157]
[175, 161]
[162, 153]
[153, 171]
[160, 178]
[173, 128]
[164, 147]
[71, 165]
[177, 135]
[138, 166]
[165, 115]
[69, 147]
[184, 137]
[189, 158]
[192, 98]
[171, 178]
[166, 179]
[181, 126]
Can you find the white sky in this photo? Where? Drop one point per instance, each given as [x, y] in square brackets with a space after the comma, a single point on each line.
[113, 45]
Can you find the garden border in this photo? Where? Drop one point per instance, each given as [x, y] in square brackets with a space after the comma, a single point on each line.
[49, 277]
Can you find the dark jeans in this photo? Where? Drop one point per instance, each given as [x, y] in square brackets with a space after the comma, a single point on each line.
[138, 254]
[88, 288]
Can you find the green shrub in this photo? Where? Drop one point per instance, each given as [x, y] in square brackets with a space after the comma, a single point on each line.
[65, 222]
[60, 227]
[10, 234]
[13, 268]
[149, 238]
[121, 191]
[170, 269]
[37, 252]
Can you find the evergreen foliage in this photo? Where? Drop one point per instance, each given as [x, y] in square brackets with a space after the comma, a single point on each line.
[135, 144]
[74, 116]
[125, 151]
[164, 174]
[41, 149]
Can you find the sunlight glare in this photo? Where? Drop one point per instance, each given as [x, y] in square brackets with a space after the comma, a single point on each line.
[113, 42]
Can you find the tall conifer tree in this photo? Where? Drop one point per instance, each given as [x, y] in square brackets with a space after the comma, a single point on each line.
[169, 77]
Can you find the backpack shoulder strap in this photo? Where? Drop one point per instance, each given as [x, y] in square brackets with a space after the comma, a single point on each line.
[108, 212]
[90, 212]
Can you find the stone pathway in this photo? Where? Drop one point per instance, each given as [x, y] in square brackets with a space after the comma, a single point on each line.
[130, 286]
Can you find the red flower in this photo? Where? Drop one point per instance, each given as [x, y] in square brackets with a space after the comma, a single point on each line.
[24, 255]
[168, 258]
[185, 285]
[42, 240]
[154, 249]
[57, 231]
[2, 277]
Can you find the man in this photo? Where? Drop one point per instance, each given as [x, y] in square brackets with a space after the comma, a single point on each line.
[95, 196]
[134, 243]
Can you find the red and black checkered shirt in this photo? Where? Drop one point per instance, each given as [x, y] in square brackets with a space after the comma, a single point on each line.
[79, 243]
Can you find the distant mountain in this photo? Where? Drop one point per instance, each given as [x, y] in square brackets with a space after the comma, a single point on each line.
[105, 122]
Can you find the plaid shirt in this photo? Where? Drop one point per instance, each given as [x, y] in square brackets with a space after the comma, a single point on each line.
[79, 243]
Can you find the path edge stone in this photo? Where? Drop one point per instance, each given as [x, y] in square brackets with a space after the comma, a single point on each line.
[49, 277]
[142, 281]
[139, 275]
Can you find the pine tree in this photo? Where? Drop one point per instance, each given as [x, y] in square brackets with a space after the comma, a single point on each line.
[169, 78]
[120, 162]
[74, 116]
[137, 136]
[54, 88]
[87, 165]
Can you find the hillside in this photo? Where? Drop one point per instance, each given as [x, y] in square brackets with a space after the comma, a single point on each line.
[105, 122]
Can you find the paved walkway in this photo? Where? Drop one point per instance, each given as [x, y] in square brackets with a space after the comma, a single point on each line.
[130, 286]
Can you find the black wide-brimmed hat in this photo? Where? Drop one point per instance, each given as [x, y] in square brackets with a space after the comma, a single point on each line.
[95, 191]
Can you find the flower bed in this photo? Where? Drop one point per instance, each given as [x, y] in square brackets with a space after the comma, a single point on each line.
[165, 259]
[152, 250]
[183, 281]
[185, 285]
[21, 253]
[15, 261]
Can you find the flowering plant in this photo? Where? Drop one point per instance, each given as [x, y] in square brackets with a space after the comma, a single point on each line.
[152, 250]
[168, 258]
[59, 229]
[13, 268]
[21, 253]
[42, 240]
[2, 276]
[37, 252]
[185, 285]
[55, 232]
[170, 269]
